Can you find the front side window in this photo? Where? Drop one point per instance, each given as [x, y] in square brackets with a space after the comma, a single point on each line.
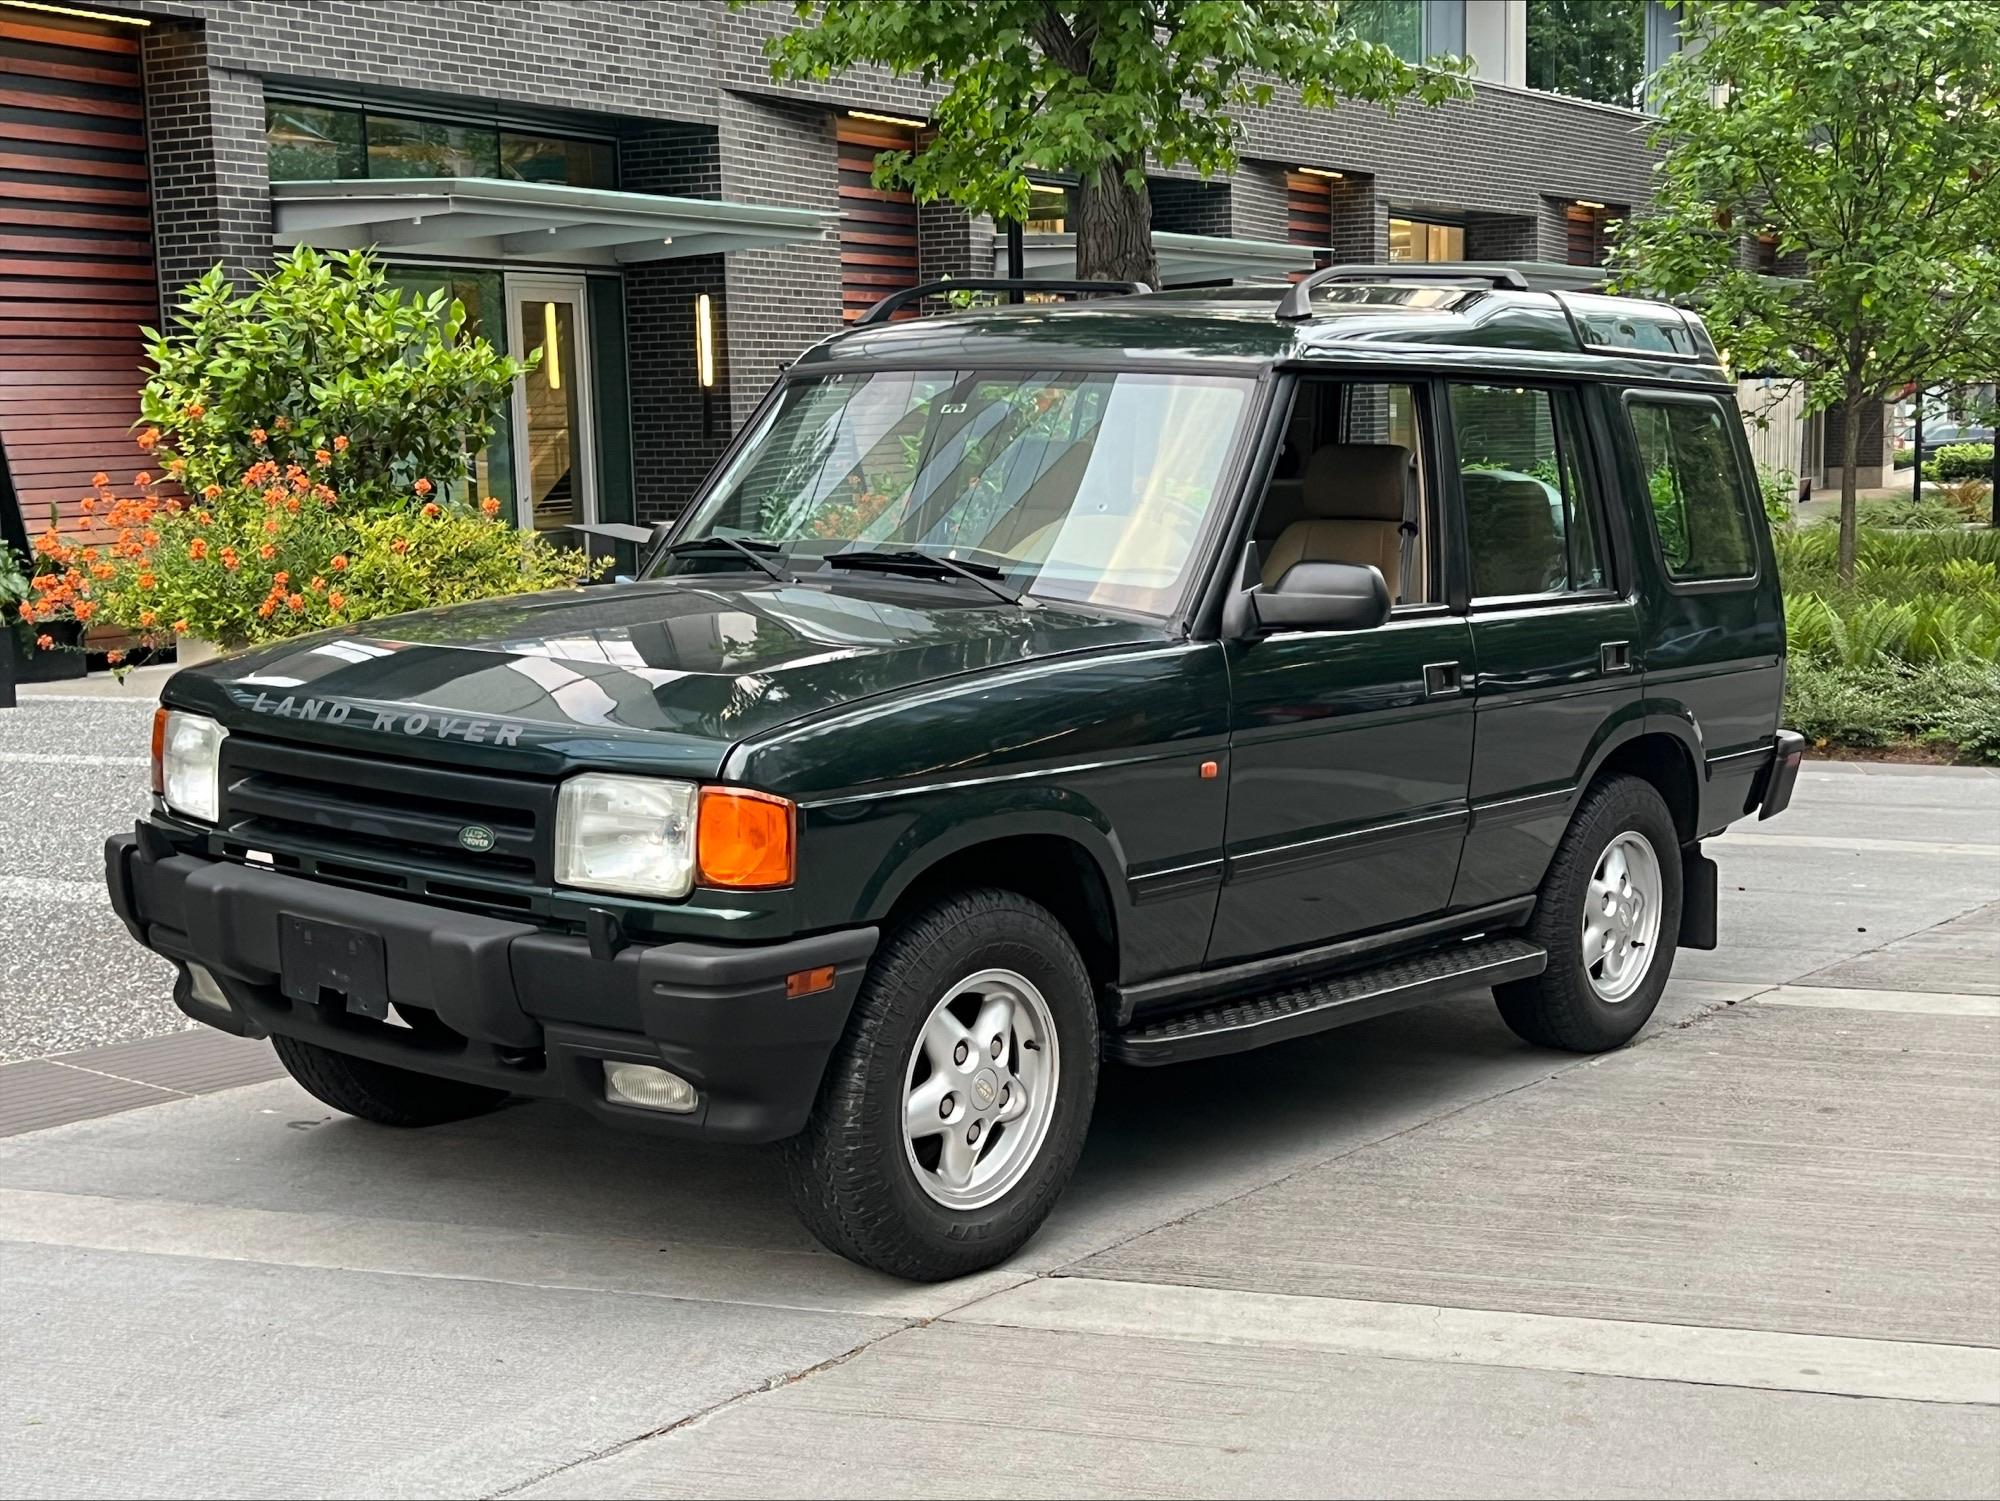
[1530, 524]
[1085, 486]
[1700, 495]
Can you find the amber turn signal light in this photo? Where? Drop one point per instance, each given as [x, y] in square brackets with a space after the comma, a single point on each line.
[159, 749]
[745, 839]
[809, 981]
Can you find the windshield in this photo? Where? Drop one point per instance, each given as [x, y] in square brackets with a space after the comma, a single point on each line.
[1086, 486]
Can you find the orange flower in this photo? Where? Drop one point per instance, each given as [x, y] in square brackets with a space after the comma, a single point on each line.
[101, 570]
[258, 435]
[490, 505]
[271, 526]
[210, 492]
[113, 658]
[179, 627]
[193, 409]
[340, 443]
[423, 487]
[149, 438]
[292, 503]
[147, 617]
[87, 504]
[46, 643]
[101, 480]
[282, 424]
[83, 609]
[400, 545]
[26, 611]
[267, 552]
[198, 549]
[177, 465]
[322, 457]
[281, 577]
[340, 562]
[204, 518]
[142, 479]
[317, 584]
[432, 511]
[229, 559]
[147, 580]
[295, 602]
[335, 600]
[268, 608]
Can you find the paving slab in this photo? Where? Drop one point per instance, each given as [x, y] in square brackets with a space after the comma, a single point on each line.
[952, 1409]
[1962, 956]
[1782, 1168]
[165, 1375]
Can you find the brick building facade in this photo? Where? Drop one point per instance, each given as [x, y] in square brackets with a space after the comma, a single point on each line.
[677, 97]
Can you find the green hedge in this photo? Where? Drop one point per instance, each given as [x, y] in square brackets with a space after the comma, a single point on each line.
[1961, 461]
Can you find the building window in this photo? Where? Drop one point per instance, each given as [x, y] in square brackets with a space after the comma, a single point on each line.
[1412, 29]
[1588, 49]
[1422, 240]
[1048, 209]
[317, 143]
[1589, 229]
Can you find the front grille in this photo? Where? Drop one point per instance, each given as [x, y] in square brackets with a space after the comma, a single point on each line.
[392, 826]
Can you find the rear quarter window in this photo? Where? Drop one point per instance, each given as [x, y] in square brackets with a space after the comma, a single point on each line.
[1701, 497]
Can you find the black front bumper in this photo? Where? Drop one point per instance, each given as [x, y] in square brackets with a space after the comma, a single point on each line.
[528, 1011]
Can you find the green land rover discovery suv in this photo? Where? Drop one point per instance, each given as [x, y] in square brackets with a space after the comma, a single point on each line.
[1141, 678]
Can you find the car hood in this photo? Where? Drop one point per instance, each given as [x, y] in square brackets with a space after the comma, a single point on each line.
[663, 676]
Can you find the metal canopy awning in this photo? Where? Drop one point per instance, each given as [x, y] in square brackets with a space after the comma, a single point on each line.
[490, 218]
[1184, 259]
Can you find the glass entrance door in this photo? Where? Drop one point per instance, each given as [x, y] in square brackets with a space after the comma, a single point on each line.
[555, 480]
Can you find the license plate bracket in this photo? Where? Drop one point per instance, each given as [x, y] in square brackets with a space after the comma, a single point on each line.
[315, 957]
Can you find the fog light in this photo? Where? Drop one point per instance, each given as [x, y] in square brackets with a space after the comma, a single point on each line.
[203, 987]
[649, 1088]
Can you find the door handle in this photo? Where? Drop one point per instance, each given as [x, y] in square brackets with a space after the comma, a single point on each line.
[1615, 656]
[1442, 679]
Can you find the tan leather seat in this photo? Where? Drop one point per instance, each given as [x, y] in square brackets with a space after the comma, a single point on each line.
[1353, 496]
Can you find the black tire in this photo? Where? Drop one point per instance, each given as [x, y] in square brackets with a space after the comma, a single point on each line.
[1560, 1008]
[377, 1092]
[850, 1172]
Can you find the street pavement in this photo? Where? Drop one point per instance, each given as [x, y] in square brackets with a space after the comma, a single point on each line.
[1755, 1253]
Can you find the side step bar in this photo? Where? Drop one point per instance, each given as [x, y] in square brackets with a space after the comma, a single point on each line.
[1236, 1026]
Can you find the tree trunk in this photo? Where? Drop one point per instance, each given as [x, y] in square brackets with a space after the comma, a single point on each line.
[1114, 229]
[1850, 454]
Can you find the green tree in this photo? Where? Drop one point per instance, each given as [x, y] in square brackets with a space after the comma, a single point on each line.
[1864, 139]
[1094, 91]
[1588, 49]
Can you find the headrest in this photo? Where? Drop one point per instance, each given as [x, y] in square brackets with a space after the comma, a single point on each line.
[1356, 482]
[1507, 502]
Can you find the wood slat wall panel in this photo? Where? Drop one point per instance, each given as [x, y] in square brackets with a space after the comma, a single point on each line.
[76, 259]
[878, 227]
[1309, 216]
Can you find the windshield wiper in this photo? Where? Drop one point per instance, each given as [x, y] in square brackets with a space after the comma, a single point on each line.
[910, 560]
[753, 548]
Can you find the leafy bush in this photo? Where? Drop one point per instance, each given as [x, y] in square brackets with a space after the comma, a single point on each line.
[1903, 458]
[1780, 489]
[322, 354]
[277, 554]
[1947, 703]
[1960, 461]
[1930, 515]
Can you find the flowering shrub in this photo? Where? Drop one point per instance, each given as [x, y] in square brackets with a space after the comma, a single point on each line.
[321, 359]
[277, 553]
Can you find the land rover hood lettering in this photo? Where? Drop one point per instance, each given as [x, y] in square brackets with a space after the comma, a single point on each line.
[473, 731]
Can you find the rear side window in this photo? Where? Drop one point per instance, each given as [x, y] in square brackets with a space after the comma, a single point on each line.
[1700, 495]
[1528, 515]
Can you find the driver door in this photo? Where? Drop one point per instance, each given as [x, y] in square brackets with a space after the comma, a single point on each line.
[1351, 751]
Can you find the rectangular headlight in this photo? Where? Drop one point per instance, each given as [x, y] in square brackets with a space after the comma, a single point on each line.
[187, 763]
[627, 834]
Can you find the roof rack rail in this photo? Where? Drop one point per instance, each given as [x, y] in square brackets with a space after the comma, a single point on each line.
[1296, 305]
[888, 305]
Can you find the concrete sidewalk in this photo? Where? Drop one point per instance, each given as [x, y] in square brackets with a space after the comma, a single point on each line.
[1755, 1253]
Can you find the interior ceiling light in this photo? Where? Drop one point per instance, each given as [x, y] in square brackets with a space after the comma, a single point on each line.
[904, 121]
[86, 15]
[1587, 203]
[1323, 172]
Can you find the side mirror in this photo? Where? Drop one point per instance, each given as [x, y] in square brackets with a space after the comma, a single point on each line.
[1322, 597]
